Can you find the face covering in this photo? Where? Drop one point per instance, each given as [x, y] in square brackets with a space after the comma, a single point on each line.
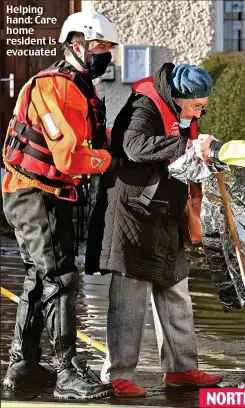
[99, 63]
[184, 123]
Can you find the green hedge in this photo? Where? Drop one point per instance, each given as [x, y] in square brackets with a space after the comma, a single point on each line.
[226, 107]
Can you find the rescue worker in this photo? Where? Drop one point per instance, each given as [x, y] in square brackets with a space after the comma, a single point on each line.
[208, 148]
[142, 243]
[56, 136]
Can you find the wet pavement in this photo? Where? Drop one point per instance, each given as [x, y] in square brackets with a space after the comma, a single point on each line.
[220, 336]
[158, 396]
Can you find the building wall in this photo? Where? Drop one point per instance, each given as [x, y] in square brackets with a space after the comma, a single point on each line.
[179, 31]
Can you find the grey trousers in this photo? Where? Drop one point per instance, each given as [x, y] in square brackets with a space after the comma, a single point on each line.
[173, 317]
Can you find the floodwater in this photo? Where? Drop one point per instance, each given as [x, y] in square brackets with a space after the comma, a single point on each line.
[220, 336]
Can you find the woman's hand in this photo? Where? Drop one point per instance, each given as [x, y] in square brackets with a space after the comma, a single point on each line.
[202, 146]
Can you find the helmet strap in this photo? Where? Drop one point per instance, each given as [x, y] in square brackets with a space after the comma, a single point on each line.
[79, 60]
[86, 45]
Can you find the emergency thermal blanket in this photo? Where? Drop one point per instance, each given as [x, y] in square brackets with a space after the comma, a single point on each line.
[216, 236]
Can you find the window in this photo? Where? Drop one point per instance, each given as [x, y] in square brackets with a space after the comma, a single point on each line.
[234, 25]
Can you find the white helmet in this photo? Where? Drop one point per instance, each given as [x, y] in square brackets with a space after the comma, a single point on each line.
[93, 25]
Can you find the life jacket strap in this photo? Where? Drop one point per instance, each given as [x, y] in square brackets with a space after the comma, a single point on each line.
[67, 193]
[16, 144]
[36, 137]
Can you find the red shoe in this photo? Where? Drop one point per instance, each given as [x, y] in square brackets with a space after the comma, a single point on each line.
[126, 388]
[194, 378]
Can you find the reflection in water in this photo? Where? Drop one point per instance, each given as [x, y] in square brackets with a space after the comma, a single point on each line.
[221, 337]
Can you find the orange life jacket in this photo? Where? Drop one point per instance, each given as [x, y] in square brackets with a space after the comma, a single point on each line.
[170, 122]
[26, 150]
[171, 126]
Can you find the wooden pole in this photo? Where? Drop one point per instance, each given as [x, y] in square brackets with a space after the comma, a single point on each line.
[232, 224]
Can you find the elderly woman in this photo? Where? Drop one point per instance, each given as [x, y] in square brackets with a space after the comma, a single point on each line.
[143, 244]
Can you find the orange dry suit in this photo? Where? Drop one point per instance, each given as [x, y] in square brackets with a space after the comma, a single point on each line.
[57, 133]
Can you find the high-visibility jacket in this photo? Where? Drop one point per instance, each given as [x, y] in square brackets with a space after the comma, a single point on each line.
[52, 131]
[233, 153]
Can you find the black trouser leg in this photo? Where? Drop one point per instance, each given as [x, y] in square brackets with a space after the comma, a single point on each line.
[45, 224]
[29, 320]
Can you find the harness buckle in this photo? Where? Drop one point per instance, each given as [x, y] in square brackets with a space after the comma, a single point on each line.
[16, 143]
[67, 193]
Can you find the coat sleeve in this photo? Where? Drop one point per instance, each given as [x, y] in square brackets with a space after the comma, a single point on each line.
[141, 142]
[63, 111]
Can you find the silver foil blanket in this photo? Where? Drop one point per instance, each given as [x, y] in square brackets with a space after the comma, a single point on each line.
[216, 237]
